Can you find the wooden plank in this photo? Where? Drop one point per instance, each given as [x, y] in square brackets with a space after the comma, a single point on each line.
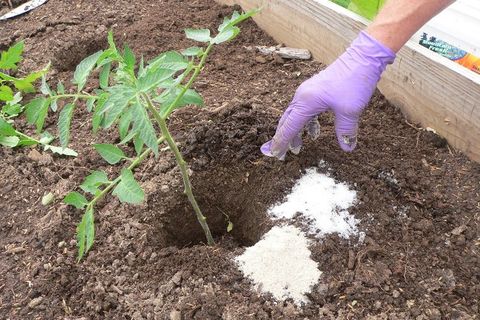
[428, 88]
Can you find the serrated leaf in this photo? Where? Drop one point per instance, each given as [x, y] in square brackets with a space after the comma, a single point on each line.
[6, 93]
[10, 58]
[129, 58]
[9, 141]
[60, 88]
[144, 127]
[36, 111]
[128, 190]
[47, 199]
[85, 233]
[46, 138]
[132, 134]
[115, 104]
[105, 75]
[44, 87]
[110, 153]
[64, 122]
[6, 129]
[93, 181]
[191, 97]
[192, 51]
[138, 144]
[75, 199]
[54, 105]
[124, 123]
[61, 151]
[226, 34]
[152, 78]
[90, 104]
[236, 18]
[200, 35]
[83, 70]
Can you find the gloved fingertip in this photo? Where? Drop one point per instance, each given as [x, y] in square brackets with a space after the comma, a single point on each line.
[313, 128]
[267, 150]
[296, 144]
[347, 143]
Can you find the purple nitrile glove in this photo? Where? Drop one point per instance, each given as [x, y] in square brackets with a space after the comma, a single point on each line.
[345, 88]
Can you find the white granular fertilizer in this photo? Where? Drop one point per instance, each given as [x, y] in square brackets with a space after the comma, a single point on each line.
[280, 263]
[323, 202]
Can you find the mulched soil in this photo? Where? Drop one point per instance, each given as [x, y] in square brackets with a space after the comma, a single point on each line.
[419, 202]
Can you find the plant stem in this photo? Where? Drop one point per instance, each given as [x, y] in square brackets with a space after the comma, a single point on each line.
[190, 82]
[27, 137]
[136, 161]
[182, 164]
[76, 96]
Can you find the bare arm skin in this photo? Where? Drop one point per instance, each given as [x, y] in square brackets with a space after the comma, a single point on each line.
[400, 19]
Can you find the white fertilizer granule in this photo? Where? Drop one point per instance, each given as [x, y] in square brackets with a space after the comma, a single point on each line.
[280, 263]
[323, 202]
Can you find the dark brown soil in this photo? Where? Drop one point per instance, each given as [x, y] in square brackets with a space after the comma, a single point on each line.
[419, 199]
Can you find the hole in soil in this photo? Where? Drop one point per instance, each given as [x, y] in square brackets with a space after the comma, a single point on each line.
[70, 54]
[242, 195]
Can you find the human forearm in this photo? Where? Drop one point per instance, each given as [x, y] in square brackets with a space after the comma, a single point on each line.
[400, 19]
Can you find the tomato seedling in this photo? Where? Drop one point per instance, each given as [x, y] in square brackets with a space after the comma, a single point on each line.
[136, 97]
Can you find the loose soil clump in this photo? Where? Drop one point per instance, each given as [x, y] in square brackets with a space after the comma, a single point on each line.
[419, 202]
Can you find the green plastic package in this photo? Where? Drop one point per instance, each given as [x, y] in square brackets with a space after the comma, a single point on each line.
[365, 8]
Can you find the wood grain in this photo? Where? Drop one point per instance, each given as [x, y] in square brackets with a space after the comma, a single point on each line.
[429, 89]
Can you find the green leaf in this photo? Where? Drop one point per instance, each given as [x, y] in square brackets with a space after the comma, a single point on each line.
[124, 123]
[152, 78]
[9, 142]
[47, 199]
[60, 88]
[6, 129]
[54, 105]
[61, 151]
[192, 51]
[230, 226]
[45, 88]
[93, 181]
[144, 127]
[191, 97]
[128, 190]
[110, 153]
[36, 111]
[46, 138]
[200, 35]
[6, 93]
[105, 75]
[132, 134]
[64, 122]
[138, 144]
[111, 41]
[75, 199]
[116, 103]
[236, 18]
[129, 58]
[226, 34]
[83, 70]
[10, 58]
[85, 233]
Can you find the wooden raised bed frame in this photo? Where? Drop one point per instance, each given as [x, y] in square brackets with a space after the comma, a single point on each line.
[429, 89]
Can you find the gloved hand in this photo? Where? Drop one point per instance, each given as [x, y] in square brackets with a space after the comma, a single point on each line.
[345, 88]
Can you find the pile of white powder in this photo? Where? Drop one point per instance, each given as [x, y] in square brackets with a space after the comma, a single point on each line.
[323, 202]
[280, 263]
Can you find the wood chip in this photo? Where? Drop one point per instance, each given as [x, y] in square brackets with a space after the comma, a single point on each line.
[286, 52]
